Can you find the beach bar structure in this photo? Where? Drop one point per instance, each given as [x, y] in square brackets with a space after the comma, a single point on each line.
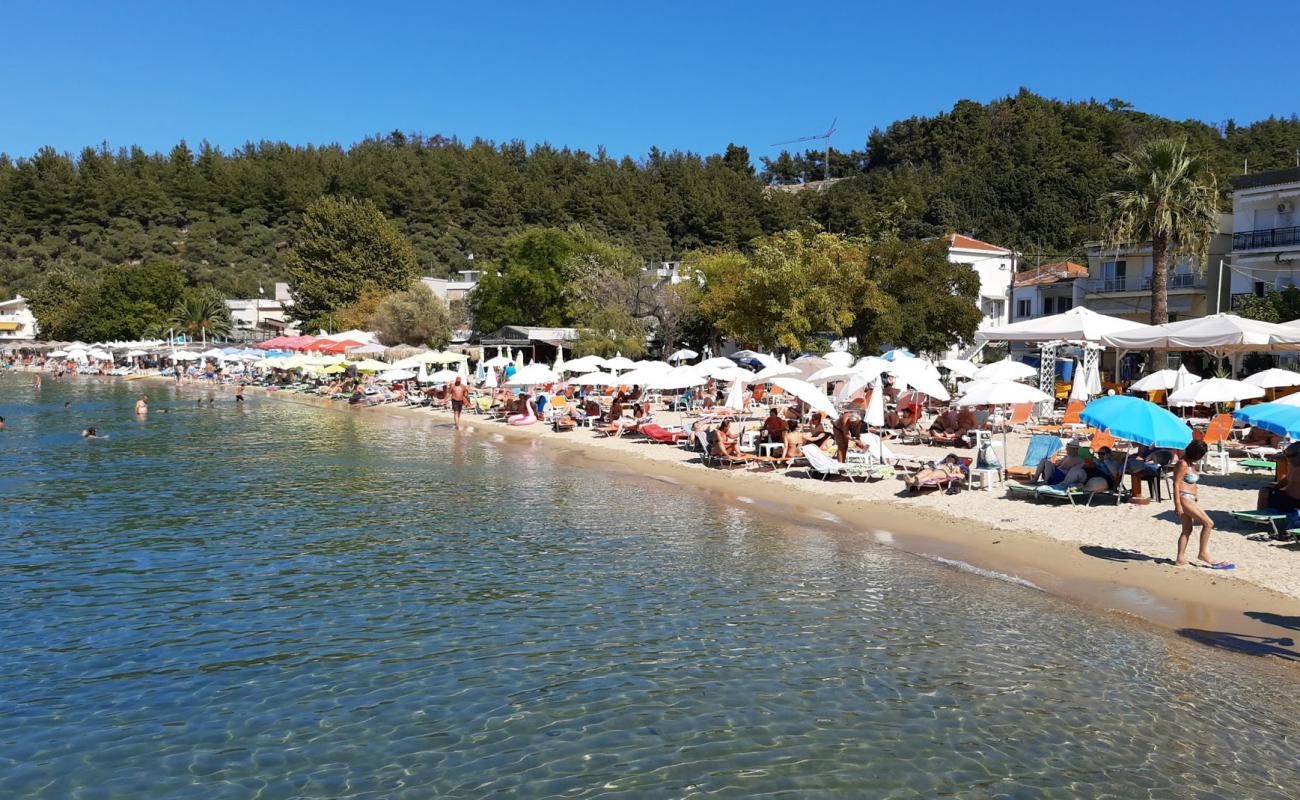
[537, 344]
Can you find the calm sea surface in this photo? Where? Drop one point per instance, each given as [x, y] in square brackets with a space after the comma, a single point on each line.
[284, 601]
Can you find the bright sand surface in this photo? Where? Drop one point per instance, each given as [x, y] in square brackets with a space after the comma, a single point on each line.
[1117, 558]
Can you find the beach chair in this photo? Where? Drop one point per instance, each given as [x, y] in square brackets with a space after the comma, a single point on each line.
[1257, 465]
[1019, 415]
[1270, 518]
[658, 433]
[1051, 492]
[1070, 420]
[820, 463]
[1041, 446]
[1217, 432]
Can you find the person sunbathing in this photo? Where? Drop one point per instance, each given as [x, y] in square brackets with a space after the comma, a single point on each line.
[1055, 472]
[726, 444]
[1258, 437]
[795, 439]
[945, 471]
[1101, 474]
[1283, 495]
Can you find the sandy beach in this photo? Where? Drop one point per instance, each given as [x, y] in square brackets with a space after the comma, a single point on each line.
[1116, 558]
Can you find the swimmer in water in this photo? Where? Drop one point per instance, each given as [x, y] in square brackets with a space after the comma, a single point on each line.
[67, 406]
[2, 423]
[90, 433]
[142, 406]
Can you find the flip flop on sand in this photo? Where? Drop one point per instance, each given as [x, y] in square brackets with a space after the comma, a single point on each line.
[1219, 565]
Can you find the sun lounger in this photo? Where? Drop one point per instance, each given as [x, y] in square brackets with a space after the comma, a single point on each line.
[658, 433]
[1049, 491]
[1257, 465]
[822, 464]
[1041, 446]
[1270, 518]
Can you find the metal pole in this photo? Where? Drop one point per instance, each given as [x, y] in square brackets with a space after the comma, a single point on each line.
[1218, 290]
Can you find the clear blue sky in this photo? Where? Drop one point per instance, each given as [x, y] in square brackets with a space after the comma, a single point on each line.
[620, 74]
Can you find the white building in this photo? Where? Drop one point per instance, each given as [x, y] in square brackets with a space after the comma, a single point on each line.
[17, 322]
[995, 266]
[449, 290]
[1265, 232]
[1046, 290]
[260, 315]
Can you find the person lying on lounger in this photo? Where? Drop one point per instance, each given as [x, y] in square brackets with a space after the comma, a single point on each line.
[947, 470]
[1284, 495]
[1258, 437]
[1049, 472]
[726, 444]
[1101, 474]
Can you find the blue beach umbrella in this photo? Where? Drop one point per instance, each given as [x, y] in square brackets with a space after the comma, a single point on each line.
[1138, 421]
[1278, 418]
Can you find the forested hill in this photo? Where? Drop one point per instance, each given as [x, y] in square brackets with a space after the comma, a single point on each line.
[1022, 171]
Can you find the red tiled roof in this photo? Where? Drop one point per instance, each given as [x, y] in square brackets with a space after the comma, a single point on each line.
[968, 243]
[1049, 273]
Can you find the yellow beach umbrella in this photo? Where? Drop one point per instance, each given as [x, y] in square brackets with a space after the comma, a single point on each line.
[371, 365]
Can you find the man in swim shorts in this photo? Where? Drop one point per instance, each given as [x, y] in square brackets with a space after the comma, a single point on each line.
[458, 393]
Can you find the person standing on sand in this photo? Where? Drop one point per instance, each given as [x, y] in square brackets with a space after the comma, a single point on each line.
[1188, 508]
[142, 407]
[458, 394]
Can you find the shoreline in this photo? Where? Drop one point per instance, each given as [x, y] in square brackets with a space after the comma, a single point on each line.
[1097, 576]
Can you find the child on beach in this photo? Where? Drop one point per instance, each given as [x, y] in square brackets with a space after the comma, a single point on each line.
[1186, 480]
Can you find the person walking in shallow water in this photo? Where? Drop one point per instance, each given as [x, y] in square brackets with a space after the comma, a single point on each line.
[142, 407]
[458, 393]
[1188, 508]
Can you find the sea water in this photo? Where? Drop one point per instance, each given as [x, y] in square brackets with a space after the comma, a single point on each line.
[276, 600]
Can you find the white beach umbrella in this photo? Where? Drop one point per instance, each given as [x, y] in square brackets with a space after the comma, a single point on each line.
[442, 376]
[960, 367]
[490, 378]
[839, 358]
[1081, 386]
[643, 375]
[1214, 390]
[396, 375]
[767, 373]
[584, 364]
[1183, 379]
[683, 355]
[1160, 381]
[1005, 370]
[832, 374]
[619, 362]
[736, 396]
[1000, 393]
[714, 363]
[1274, 379]
[58, 353]
[679, 378]
[495, 361]
[185, 355]
[595, 379]
[532, 375]
[731, 374]
[213, 352]
[519, 359]
[875, 412]
[805, 391]
[134, 353]
[559, 360]
[920, 375]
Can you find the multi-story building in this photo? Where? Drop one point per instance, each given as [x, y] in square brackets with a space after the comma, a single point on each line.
[449, 290]
[1046, 290]
[17, 322]
[995, 266]
[259, 315]
[1119, 279]
[1265, 232]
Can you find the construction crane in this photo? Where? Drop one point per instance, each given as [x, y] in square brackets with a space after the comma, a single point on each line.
[827, 136]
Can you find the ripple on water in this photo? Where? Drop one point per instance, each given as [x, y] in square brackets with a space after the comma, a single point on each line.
[282, 601]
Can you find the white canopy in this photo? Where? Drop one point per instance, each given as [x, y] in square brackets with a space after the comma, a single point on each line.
[1218, 332]
[1215, 390]
[1274, 379]
[595, 379]
[495, 361]
[679, 378]
[354, 335]
[1077, 324]
[619, 362]
[683, 355]
[396, 375]
[712, 363]
[441, 376]
[645, 373]
[731, 374]
[1000, 393]
[1005, 370]
[776, 371]
[960, 367]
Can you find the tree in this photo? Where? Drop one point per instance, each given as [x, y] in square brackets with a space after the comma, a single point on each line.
[529, 285]
[129, 299]
[344, 247]
[415, 317]
[59, 304]
[916, 298]
[202, 314]
[1171, 199]
[1273, 306]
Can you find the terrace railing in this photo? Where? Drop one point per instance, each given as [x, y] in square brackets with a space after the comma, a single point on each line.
[1266, 237]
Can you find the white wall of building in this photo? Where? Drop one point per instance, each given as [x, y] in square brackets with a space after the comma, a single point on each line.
[17, 322]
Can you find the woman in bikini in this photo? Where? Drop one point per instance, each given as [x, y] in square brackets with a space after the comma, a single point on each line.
[1188, 507]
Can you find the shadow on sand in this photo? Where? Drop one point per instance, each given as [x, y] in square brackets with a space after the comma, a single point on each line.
[1282, 647]
[1120, 556]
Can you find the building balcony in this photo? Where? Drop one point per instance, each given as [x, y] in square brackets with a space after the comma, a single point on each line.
[1266, 238]
[1177, 280]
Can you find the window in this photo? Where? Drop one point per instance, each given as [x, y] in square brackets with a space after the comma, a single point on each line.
[1113, 275]
[1023, 308]
[1048, 305]
[1064, 304]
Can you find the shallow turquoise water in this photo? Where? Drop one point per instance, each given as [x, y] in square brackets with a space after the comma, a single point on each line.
[283, 601]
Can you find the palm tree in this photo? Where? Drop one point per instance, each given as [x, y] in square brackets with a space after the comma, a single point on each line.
[1172, 200]
[201, 315]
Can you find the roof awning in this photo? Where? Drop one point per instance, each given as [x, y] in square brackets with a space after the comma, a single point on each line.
[8, 326]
